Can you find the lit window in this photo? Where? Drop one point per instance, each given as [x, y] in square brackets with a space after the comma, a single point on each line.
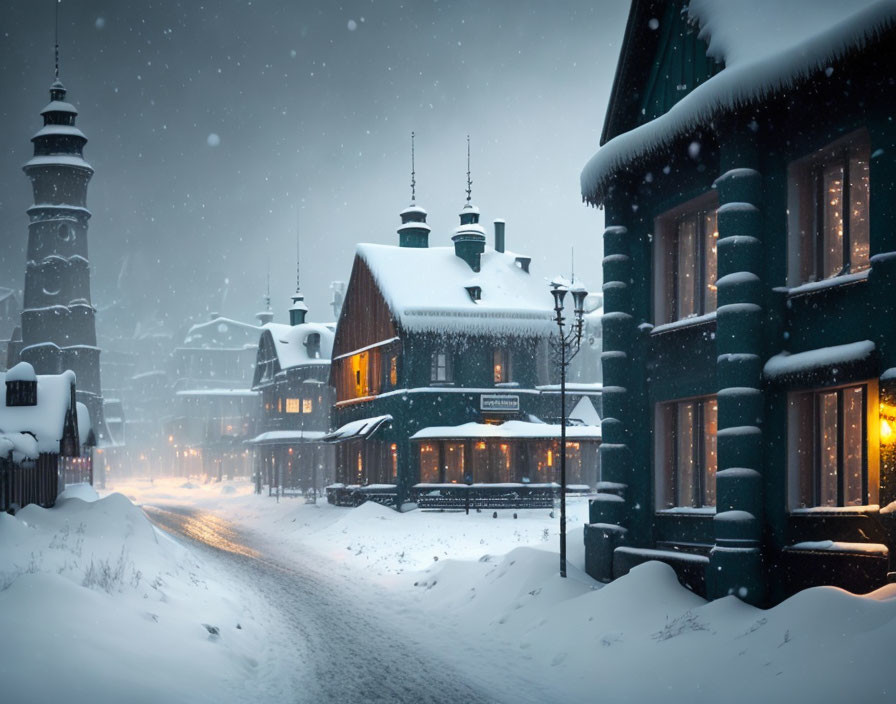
[685, 453]
[441, 369]
[393, 370]
[292, 405]
[685, 261]
[307, 405]
[501, 366]
[828, 205]
[429, 463]
[831, 456]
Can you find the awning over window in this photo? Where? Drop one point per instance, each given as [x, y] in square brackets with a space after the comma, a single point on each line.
[828, 364]
[358, 429]
[512, 429]
[277, 436]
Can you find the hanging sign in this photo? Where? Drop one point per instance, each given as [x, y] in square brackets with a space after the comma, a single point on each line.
[501, 403]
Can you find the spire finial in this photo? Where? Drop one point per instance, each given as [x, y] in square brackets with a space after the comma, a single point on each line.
[469, 180]
[57, 38]
[267, 295]
[298, 253]
[413, 173]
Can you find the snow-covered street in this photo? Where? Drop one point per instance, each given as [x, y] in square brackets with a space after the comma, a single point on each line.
[293, 602]
[327, 646]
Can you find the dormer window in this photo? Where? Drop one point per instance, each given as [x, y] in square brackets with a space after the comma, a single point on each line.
[21, 393]
[475, 293]
[523, 263]
[312, 345]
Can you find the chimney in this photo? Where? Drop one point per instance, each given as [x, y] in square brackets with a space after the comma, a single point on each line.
[499, 235]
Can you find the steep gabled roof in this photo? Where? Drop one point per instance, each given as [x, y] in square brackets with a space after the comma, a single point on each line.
[290, 343]
[767, 46]
[46, 421]
[427, 289]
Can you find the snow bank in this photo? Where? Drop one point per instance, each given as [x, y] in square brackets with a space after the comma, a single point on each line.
[97, 606]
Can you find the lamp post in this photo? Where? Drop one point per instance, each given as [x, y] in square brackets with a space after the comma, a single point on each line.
[567, 345]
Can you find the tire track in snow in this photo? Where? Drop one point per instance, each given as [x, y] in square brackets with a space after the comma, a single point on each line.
[323, 647]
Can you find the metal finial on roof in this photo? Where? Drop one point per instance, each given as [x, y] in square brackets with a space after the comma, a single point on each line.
[267, 295]
[469, 180]
[57, 38]
[413, 173]
[298, 254]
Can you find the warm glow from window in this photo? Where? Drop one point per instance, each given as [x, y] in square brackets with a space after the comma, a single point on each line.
[307, 405]
[292, 405]
[480, 445]
[887, 424]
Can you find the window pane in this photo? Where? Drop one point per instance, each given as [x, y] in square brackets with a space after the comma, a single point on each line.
[710, 458]
[687, 272]
[664, 455]
[828, 438]
[710, 270]
[858, 210]
[832, 225]
[853, 445]
[454, 463]
[800, 436]
[429, 463]
[685, 465]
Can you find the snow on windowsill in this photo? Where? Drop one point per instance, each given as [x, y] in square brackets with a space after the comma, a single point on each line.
[835, 546]
[868, 510]
[688, 511]
[684, 323]
[833, 282]
[786, 364]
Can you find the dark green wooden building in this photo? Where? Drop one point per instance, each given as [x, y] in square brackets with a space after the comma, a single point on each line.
[435, 347]
[747, 176]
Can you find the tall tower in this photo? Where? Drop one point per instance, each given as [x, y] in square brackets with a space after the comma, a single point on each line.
[58, 326]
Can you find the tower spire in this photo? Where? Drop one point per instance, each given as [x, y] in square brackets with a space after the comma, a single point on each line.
[469, 180]
[298, 310]
[413, 173]
[57, 2]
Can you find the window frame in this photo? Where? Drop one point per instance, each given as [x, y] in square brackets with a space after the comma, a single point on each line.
[807, 235]
[502, 358]
[667, 472]
[441, 369]
[667, 256]
[870, 484]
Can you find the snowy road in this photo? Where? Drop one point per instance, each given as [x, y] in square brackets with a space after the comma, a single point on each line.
[325, 645]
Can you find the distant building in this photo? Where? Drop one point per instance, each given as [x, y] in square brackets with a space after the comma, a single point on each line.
[45, 437]
[438, 363]
[747, 172]
[292, 373]
[214, 407]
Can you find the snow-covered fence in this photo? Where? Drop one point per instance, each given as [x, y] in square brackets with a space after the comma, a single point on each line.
[29, 482]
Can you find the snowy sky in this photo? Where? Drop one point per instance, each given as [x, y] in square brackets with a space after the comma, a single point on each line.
[214, 125]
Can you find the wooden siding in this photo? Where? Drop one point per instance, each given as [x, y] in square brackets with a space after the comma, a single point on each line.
[365, 320]
[31, 483]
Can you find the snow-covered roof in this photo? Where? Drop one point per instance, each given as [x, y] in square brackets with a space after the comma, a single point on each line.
[58, 160]
[426, 290]
[21, 446]
[290, 343]
[510, 429]
[363, 428]
[64, 130]
[46, 420]
[21, 372]
[222, 333]
[766, 46]
[59, 106]
[584, 411]
[85, 424]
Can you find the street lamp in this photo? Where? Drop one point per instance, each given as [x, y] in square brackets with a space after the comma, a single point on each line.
[566, 345]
